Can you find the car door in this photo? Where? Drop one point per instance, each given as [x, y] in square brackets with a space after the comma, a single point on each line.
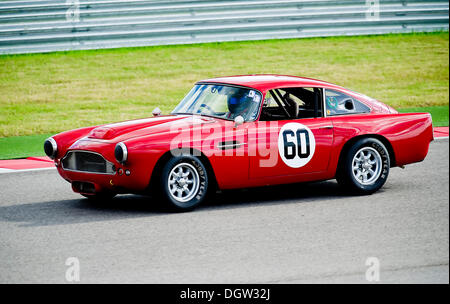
[291, 146]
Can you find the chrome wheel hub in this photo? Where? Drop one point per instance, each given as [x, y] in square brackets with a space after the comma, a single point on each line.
[366, 165]
[183, 182]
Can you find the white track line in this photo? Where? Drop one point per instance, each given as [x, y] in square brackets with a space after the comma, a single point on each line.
[6, 171]
[3, 170]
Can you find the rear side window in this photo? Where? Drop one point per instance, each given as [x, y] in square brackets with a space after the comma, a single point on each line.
[338, 103]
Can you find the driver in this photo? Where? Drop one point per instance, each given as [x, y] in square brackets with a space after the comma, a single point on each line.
[238, 104]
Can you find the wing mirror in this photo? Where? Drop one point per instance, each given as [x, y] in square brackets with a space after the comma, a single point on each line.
[156, 112]
[238, 120]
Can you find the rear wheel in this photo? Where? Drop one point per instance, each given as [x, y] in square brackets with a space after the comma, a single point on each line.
[184, 182]
[365, 167]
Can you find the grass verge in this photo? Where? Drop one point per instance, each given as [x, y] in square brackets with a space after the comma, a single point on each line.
[438, 113]
[22, 146]
[48, 93]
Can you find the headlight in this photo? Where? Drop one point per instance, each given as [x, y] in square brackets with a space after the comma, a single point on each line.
[121, 152]
[50, 147]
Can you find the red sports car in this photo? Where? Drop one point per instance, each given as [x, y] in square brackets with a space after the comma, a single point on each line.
[244, 131]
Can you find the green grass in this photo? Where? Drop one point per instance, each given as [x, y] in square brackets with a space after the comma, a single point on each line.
[49, 93]
[22, 146]
[32, 145]
[438, 113]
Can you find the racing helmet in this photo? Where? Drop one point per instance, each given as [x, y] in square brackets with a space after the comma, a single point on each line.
[238, 101]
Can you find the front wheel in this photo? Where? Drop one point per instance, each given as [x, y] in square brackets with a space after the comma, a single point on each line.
[184, 182]
[365, 167]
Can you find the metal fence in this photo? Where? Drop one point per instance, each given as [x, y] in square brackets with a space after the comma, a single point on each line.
[43, 26]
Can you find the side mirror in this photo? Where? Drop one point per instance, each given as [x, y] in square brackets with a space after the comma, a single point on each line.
[238, 120]
[156, 112]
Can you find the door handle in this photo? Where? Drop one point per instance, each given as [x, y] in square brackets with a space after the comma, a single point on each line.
[326, 127]
[229, 145]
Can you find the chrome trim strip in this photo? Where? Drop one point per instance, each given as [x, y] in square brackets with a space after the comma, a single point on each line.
[88, 172]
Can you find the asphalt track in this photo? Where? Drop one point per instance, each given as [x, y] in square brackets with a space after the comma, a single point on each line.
[307, 233]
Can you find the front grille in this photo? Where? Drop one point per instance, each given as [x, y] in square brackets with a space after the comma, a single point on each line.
[84, 161]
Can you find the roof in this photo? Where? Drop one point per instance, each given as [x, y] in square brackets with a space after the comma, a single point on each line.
[265, 82]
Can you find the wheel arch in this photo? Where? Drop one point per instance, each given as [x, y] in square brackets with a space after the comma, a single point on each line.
[353, 140]
[157, 170]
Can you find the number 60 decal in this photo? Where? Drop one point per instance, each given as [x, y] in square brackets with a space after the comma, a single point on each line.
[296, 144]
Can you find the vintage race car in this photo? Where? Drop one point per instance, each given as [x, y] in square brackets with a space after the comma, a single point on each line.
[244, 131]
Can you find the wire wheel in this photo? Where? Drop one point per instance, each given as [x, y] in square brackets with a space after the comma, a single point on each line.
[183, 182]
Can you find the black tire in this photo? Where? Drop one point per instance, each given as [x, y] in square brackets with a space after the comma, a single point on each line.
[367, 155]
[193, 183]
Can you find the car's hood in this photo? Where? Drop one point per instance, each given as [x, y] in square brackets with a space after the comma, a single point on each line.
[140, 127]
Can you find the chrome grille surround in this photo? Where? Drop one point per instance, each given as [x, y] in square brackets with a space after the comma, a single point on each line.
[87, 162]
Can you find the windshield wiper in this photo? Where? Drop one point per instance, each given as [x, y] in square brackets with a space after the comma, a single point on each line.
[201, 114]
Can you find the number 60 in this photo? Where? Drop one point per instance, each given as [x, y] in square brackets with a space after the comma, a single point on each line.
[299, 147]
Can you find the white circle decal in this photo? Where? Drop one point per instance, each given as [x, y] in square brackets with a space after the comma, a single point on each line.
[296, 144]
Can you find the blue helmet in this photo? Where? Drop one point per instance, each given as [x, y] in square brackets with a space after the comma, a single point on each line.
[238, 101]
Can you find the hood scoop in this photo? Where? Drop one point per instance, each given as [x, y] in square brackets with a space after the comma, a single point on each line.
[101, 133]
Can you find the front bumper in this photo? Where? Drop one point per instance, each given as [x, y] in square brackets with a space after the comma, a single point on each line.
[126, 178]
[131, 177]
[89, 183]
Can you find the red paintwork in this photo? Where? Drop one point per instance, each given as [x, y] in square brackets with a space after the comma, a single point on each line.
[149, 139]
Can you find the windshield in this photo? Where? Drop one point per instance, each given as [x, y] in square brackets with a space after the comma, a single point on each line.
[221, 101]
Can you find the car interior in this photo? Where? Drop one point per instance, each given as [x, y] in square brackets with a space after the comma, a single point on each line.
[292, 103]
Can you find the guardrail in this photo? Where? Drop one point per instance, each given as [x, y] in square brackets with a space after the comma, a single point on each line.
[45, 26]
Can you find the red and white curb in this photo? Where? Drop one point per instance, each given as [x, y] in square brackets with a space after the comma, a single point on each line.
[26, 164]
[45, 163]
[440, 132]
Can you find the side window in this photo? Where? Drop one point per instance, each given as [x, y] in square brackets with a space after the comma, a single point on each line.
[338, 103]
